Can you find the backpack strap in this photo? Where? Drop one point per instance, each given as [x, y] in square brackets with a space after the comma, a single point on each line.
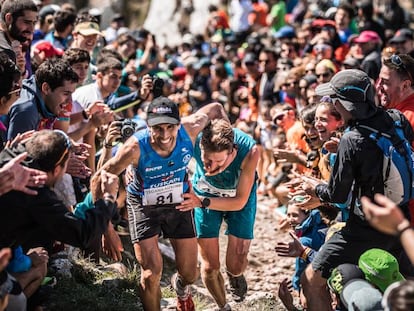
[377, 134]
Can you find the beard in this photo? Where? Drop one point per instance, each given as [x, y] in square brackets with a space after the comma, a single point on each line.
[16, 34]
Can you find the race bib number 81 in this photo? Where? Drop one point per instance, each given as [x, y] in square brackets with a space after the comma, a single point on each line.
[170, 194]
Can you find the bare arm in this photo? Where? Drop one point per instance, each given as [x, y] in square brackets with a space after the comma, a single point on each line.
[196, 122]
[127, 154]
[113, 134]
[244, 187]
[243, 190]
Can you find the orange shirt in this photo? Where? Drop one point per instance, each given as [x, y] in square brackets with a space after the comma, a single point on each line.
[259, 14]
[407, 108]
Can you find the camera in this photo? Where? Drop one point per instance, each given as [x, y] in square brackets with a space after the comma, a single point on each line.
[128, 128]
[157, 86]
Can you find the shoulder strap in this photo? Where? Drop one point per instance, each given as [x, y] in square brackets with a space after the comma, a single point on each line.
[377, 133]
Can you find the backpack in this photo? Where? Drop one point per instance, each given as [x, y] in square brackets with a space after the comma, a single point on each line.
[398, 162]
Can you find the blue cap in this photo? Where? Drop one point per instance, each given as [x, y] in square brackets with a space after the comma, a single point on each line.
[285, 32]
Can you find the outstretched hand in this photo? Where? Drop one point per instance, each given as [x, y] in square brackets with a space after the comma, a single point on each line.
[20, 138]
[190, 200]
[293, 248]
[285, 295]
[112, 244]
[20, 177]
[109, 183]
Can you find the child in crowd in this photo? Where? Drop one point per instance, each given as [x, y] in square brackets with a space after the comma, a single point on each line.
[310, 230]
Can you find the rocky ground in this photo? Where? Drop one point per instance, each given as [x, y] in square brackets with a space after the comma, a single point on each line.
[85, 286]
[265, 269]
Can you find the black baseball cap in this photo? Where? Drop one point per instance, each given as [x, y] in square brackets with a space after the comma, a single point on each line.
[162, 110]
[350, 86]
[402, 35]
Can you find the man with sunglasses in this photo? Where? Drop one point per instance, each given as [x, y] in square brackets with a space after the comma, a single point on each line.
[395, 85]
[395, 88]
[357, 171]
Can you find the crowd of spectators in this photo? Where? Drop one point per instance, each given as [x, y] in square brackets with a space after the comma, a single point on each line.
[71, 93]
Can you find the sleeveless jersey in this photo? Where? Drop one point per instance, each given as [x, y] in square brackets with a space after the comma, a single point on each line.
[161, 180]
[225, 183]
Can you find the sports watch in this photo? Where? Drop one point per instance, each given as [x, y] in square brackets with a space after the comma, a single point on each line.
[205, 202]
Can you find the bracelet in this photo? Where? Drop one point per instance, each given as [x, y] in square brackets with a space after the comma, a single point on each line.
[305, 253]
[85, 115]
[106, 145]
[400, 232]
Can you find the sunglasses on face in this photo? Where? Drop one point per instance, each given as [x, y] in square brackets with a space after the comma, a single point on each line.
[293, 83]
[397, 61]
[324, 75]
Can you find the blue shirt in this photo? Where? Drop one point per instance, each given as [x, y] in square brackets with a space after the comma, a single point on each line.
[161, 180]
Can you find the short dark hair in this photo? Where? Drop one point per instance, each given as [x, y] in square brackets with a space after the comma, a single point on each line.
[76, 55]
[46, 148]
[270, 51]
[109, 63]
[55, 71]
[9, 74]
[16, 8]
[63, 19]
[212, 8]
[307, 114]
[105, 53]
[124, 38]
[347, 7]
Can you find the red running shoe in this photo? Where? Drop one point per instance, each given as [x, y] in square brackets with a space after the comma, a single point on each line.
[186, 304]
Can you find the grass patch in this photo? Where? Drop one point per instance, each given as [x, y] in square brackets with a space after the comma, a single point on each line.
[91, 288]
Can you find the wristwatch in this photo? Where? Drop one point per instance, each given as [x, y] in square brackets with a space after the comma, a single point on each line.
[205, 202]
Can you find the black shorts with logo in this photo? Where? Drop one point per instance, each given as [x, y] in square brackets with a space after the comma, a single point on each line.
[148, 221]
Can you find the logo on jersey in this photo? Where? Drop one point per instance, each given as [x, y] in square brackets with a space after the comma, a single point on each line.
[153, 169]
[186, 158]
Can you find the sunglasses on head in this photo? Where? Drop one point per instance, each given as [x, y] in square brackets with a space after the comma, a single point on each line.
[280, 118]
[68, 146]
[16, 89]
[397, 61]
